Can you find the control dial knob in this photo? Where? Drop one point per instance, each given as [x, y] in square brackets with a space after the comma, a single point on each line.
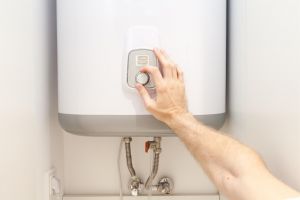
[142, 78]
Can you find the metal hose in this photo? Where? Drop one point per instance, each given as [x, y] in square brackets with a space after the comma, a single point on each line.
[156, 151]
[153, 171]
[128, 156]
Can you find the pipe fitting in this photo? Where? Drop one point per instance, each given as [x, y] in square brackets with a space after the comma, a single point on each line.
[135, 185]
[127, 139]
[165, 185]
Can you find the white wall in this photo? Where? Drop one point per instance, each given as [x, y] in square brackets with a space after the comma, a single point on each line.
[264, 81]
[30, 141]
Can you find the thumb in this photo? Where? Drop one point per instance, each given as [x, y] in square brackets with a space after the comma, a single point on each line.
[149, 103]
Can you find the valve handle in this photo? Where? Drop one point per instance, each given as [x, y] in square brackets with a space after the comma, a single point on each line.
[147, 146]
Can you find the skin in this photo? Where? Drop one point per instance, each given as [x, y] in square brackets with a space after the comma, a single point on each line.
[236, 170]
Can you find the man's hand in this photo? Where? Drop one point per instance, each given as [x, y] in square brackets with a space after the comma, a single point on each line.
[236, 170]
[170, 91]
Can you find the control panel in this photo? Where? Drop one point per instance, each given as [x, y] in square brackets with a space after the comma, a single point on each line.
[138, 58]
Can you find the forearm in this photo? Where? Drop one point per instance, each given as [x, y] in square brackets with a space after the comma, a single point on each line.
[235, 169]
[212, 148]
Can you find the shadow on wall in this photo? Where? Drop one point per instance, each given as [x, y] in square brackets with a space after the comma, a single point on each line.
[56, 134]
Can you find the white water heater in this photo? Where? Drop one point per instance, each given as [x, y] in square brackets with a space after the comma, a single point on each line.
[103, 43]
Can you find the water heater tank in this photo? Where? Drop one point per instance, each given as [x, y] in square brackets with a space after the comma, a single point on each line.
[102, 44]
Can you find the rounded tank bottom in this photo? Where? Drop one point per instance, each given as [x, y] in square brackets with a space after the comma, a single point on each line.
[126, 125]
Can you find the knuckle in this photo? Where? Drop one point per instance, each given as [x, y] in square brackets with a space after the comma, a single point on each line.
[155, 69]
[175, 66]
[169, 64]
[179, 71]
[150, 70]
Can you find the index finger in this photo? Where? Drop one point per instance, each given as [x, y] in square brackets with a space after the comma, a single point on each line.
[161, 55]
[155, 73]
[164, 61]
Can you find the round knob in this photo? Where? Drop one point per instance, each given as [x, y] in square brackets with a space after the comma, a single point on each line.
[142, 78]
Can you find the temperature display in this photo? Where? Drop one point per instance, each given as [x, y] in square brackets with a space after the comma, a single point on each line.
[142, 60]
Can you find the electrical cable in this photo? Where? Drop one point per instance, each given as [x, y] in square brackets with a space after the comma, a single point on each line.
[119, 169]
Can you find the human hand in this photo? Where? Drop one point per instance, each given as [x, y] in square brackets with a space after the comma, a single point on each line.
[170, 90]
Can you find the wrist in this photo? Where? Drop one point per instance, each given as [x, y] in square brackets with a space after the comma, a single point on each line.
[177, 120]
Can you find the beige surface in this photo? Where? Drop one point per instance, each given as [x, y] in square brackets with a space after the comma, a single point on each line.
[187, 197]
